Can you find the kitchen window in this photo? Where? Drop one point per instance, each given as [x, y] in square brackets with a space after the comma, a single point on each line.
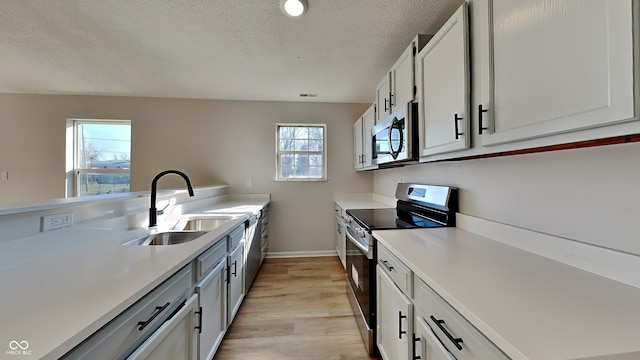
[98, 157]
[301, 153]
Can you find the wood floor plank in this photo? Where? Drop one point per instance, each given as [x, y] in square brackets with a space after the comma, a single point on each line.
[297, 308]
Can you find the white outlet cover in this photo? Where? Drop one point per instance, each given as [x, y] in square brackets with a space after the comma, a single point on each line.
[57, 221]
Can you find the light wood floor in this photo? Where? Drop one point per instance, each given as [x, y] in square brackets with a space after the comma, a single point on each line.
[297, 309]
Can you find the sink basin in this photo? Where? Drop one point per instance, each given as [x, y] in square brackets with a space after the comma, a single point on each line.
[166, 238]
[204, 223]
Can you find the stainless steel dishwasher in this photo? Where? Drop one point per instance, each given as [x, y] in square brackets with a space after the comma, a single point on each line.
[254, 256]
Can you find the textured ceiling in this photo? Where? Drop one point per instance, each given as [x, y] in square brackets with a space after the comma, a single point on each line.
[208, 49]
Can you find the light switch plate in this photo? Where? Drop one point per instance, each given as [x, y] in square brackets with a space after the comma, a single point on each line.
[4, 175]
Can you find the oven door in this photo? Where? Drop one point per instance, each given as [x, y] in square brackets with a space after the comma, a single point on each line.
[361, 275]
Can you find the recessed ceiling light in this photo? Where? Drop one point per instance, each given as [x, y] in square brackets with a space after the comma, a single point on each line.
[294, 8]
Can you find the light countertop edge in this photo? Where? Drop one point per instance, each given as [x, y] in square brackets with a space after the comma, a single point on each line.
[124, 273]
[362, 201]
[520, 300]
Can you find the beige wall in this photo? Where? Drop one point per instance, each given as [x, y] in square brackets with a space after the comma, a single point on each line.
[590, 195]
[587, 195]
[214, 142]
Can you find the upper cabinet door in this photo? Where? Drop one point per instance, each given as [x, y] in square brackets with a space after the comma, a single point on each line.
[362, 149]
[368, 122]
[443, 81]
[358, 156]
[398, 86]
[557, 66]
[402, 78]
[383, 94]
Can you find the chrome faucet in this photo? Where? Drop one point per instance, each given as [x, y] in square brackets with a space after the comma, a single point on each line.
[153, 212]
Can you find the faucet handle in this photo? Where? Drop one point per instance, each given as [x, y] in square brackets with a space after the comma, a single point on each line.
[161, 211]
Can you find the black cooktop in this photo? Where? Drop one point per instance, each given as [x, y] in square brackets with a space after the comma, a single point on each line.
[389, 218]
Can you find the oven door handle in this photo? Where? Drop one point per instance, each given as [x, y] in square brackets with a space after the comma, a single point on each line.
[358, 245]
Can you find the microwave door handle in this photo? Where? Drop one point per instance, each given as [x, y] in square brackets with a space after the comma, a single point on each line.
[391, 151]
[395, 153]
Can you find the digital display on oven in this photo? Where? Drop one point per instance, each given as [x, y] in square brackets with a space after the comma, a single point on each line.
[419, 192]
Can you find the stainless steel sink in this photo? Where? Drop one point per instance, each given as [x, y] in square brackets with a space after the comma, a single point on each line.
[204, 223]
[166, 238]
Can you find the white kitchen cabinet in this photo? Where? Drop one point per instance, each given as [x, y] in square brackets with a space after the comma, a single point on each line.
[358, 145]
[124, 333]
[394, 327]
[427, 345]
[176, 339]
[383, 93]
[443, 88]
[235, 278]
[212, 291]
[553, 68]
[362, 149]
[395, 319]
[442, 331]
[398, 85]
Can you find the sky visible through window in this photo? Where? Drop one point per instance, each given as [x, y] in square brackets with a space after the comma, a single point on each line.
[107, 141]
[102, 156]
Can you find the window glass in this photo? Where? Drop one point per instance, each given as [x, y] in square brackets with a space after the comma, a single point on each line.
[102, 157]
[301, 152]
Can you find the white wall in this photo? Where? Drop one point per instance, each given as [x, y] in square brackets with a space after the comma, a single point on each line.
[214, 142]
[590, 195]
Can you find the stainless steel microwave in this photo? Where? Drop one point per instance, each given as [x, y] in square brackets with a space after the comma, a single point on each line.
[395, 139]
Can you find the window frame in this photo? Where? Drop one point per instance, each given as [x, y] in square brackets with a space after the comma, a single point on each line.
[73, 169]
[323, 153]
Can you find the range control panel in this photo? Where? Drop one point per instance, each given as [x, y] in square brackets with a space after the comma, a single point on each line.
[433, 195]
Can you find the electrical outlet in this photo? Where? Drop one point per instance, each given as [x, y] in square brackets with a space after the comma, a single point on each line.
[57, 221]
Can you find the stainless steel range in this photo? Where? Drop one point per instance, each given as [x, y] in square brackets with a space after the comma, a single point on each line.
[418, 206]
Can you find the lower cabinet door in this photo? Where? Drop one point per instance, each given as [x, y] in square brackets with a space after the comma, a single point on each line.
[176, 339]
[212, 290]
[236, 280]
[427, 345]
[395, 320]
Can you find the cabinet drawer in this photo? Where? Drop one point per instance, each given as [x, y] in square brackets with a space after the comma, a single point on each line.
[123, 334]
[338, 210]
[235, 237]
[399, 272]
[448, 325]
[211, 257]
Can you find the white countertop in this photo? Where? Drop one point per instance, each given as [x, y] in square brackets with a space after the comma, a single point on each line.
[59, 297]
[363, 201]
[528, 305]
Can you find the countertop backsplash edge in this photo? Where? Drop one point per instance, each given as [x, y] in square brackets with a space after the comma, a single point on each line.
[612, 264]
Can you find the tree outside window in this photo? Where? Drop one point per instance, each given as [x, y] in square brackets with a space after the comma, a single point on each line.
[301, 152]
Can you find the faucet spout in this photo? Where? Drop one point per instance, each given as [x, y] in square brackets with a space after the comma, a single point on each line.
[153, 211]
